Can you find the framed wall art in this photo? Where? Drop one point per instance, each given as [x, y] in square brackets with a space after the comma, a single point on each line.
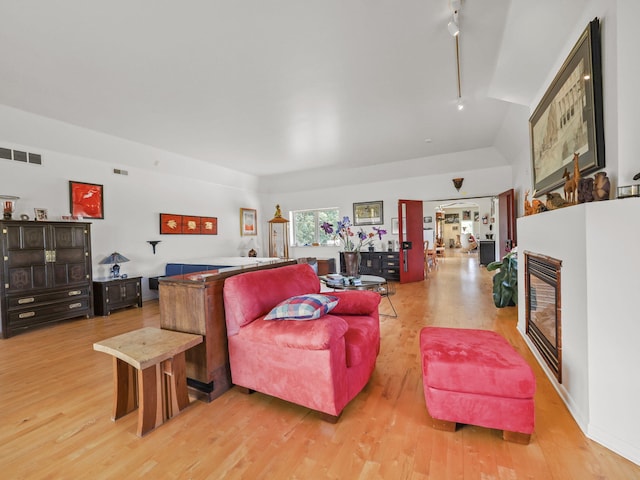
[248, 222]
[172, 224]
[368, 213]
[569, 118]
[40, 214]
[86, 200]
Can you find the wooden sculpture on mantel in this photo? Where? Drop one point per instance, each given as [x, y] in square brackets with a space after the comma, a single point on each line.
[533, 207]
[571, 183]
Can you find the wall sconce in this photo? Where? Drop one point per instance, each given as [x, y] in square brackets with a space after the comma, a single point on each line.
[457, 182]
[153, 244]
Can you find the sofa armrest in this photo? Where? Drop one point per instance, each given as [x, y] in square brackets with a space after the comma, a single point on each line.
[356, 302]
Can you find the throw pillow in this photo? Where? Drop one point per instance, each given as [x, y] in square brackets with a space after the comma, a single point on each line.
[303, 307]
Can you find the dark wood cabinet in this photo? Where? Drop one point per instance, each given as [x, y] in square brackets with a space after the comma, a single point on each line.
[46, 273]
[381, 264]
[114, 293]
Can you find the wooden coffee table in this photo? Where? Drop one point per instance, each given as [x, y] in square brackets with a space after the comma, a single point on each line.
[149, 373]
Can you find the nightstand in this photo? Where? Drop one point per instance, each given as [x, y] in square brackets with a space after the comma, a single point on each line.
[112, 293]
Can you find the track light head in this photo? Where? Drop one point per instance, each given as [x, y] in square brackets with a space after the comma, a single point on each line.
[452, 26]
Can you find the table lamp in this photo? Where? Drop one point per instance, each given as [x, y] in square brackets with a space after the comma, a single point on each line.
[114, 259]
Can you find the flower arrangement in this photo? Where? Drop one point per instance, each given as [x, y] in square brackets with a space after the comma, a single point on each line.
[350, 240]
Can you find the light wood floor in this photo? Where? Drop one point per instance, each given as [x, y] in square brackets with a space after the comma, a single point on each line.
[56, 395]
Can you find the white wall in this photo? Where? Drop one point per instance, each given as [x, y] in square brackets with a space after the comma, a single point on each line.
[132, 203]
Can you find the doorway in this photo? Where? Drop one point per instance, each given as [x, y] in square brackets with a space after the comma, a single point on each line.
[458, 221]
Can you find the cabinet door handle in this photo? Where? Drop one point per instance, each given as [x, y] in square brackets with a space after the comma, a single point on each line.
[27, 315]
[75, 305]
[22, 301]
[73, 293]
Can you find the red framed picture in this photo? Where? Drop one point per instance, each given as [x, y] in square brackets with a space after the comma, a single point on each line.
[170, 223]
[190, 225]
[209, 225]
[86, 200]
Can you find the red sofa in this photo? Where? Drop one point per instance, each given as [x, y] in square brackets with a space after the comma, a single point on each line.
[321, 364]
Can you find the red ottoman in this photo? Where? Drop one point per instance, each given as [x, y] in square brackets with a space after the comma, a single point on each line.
[476, 377]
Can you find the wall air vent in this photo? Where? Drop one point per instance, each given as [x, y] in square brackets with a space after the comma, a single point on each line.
[117, 171]
[20, 156]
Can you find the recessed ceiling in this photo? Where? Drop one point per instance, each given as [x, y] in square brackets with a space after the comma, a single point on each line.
[268, 87]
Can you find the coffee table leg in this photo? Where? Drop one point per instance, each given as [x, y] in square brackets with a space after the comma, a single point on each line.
[150, 397]
[125, 398]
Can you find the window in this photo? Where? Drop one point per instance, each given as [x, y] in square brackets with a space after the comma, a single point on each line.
[306, 226]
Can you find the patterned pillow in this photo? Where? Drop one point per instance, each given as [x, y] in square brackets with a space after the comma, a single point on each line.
[303, 307]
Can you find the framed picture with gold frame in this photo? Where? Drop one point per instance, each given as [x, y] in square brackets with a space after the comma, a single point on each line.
[248, 222]
[368, 213]
[569, 118]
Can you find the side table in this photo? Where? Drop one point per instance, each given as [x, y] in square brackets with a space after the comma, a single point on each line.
[149, 372]
[112, 293]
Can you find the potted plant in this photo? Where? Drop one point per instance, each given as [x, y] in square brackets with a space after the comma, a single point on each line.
[352, 242]
[505, 281]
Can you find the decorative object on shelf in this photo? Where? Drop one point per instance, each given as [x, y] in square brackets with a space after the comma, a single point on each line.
[368, 213]
[585, 190]
[555, 201]
[457, 182]
[153, 244]
[252, 245]
[505, 281]
[249, 221]
[86, 200]
[172, 224]
[571, 183]
[278, 235]
[114, 259]
[24, 217]
[533, 207]
[8, 205]
[601, 187]
[629, 191]
[41, 214]
[564, 123]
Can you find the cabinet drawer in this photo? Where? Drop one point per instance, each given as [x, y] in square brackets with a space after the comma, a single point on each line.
[68, 309]
[26, 301]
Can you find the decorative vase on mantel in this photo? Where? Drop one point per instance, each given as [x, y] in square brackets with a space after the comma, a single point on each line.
[351, 263]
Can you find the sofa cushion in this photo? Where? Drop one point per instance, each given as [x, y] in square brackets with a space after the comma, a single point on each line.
[318, 335]
[303, 307]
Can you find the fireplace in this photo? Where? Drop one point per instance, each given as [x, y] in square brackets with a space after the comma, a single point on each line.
[543, 312]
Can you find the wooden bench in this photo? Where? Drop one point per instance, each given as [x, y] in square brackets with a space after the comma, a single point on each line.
[149, 372]
[476, 377]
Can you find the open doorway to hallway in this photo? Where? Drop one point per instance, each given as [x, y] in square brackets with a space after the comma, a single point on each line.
[467, 225]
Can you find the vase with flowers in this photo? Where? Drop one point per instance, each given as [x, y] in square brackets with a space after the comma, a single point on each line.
[352, 242]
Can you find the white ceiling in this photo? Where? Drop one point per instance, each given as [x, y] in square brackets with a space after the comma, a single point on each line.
[273, 86]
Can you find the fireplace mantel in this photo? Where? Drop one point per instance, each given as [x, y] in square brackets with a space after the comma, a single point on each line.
[599, 245]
